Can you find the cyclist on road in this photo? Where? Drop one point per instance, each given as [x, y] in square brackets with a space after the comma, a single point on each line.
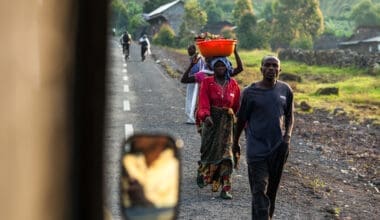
[125, 41]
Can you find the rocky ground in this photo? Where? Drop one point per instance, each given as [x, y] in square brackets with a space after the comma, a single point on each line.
[333, 167]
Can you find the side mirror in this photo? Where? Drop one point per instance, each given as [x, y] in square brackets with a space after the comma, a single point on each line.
[150, 177]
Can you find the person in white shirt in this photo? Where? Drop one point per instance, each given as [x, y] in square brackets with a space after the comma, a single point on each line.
[145, 46]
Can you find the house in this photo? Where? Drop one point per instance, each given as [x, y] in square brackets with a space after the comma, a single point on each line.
[370, 45]
[365, 40]
[170, 13]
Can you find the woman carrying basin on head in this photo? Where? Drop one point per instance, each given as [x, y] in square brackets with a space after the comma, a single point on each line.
[219, 98]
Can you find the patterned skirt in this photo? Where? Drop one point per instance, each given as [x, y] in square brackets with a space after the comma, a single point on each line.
[216, 164]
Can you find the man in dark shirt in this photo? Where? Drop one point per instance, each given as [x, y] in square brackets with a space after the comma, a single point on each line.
[266, 114]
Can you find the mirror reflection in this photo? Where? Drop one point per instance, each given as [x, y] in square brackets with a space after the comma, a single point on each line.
[150, 177]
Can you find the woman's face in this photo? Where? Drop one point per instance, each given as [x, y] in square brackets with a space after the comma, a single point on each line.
[219, 69]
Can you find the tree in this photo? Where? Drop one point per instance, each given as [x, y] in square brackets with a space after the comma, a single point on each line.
[214, 13]
[151, 5]
[267, 12]
[227, 7]
[246, 31]
[184, 37]
[165, 36]
[366, 13]
[194, 16]
[295, 18]
[304, 42]
[126, 16]
[241, 7]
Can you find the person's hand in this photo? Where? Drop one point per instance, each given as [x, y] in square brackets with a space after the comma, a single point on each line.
[236, 154]
[195, 60]
[286, 139]
[199, 129]
[208, 121]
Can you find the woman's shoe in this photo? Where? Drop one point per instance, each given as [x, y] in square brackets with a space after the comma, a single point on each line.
[225, 195]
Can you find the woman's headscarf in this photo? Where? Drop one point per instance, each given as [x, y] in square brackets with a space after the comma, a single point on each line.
[226, 62]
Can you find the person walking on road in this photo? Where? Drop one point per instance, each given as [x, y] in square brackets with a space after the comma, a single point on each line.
[207, 71]
[219, 97]
[196, 64]
[266, 114]
[145, 46]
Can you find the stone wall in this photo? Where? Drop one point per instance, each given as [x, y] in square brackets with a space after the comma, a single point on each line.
[336, 57]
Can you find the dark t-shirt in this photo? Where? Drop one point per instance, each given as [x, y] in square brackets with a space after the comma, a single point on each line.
[265, 111]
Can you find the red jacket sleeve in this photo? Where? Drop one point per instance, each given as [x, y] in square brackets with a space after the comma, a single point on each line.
[204, 101]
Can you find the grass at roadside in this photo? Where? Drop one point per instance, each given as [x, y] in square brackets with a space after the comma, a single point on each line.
[359, 92]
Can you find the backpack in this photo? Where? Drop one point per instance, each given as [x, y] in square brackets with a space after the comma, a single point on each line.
[125, 38]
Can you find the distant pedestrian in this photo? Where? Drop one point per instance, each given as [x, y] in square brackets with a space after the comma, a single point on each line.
[197, 63]
[145, 46]
[266, 114]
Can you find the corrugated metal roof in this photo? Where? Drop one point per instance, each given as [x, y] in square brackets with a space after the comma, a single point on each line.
[160, 9]
[369, 40]
[374, 39]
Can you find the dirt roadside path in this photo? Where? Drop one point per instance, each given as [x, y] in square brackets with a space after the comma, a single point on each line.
[332, 171]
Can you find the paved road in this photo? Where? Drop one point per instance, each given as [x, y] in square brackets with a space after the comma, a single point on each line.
[142, 97]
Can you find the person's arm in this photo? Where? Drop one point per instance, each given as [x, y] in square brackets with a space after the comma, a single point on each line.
[240, 124]
[289, 118]
[185, 77]
[203, 112]
[239, 64]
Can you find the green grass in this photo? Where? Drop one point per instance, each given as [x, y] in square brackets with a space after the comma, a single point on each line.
[359, 92]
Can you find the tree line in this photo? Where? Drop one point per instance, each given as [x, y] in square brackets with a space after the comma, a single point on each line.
[259, 25]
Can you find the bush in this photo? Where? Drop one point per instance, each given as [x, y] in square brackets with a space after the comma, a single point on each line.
[165, 36]
[304, 42]
[184, 38]
[228, 32]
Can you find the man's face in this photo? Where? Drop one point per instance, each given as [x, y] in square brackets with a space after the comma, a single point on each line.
[270, 68]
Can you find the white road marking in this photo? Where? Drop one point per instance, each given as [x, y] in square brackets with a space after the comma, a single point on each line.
[125, 78]
[124, 70]
[126, 88]
[126, 105]
[125, 65]
[128, 130]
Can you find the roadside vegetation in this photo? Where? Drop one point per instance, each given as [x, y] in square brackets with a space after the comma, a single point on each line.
[359, 92]
[265, 26]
